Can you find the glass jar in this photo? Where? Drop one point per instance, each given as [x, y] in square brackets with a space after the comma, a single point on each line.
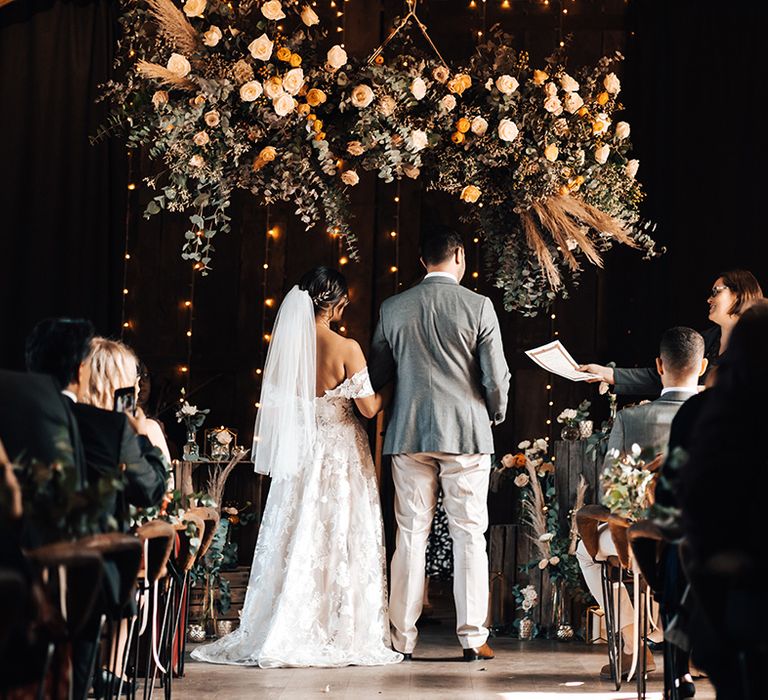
[191, 451]
[570, 432]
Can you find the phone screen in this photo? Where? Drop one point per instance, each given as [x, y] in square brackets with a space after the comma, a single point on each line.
[125, 400]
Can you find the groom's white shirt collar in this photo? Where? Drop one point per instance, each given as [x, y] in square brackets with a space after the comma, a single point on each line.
[441, 274]
[69, 395]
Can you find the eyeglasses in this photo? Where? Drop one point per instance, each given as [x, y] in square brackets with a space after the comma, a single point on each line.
[717, 289]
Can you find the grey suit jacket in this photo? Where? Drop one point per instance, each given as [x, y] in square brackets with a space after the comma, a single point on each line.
[441, 344]
[647, 425]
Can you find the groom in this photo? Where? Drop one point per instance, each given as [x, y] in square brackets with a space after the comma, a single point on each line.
[441, 345]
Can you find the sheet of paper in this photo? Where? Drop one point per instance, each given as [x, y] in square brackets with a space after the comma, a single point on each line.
[554, 358]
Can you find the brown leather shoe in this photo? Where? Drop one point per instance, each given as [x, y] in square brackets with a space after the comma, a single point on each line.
[484, 652]
[626, 664]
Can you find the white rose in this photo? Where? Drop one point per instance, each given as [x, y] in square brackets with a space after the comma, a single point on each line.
[612, 84]
[635, 450]
[293, 81]
[194, 8]
[478, 126]
[507, 130]
[285, 104]
[573, 102]
[550, 89]
[308, 16]
[546, 537]
[418, 88]
[553, 105]
[551, 152]
[350, 177]
[250, 91]
[212, 118]
[355, 148]
[272, 9]
[261, 48]
[631, 168]
[337, 57]
[568, 83]
[541, 444]
[524, 445]
[622, 130]
[418, 140]
[448, 103]
[362, 96]
[212, 36]
[506, 84]
[178, 65]
[521, 480]
[160, 98]
[200, 138]
[196, 162]
[188, 410]
[387, 105]
[274, 88]
[601, 123]
[489, 84]
[602, 153]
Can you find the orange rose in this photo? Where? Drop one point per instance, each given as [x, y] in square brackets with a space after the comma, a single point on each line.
[379, 60]
[602, 98]
[268, 154]
[457, 137]
[540, 77]
[284, 54]
[519, 461]
[583, 112]
[316, 97]
[463, 125]
[320, 136]
[303, 110]
[295, 60]
[317, 125]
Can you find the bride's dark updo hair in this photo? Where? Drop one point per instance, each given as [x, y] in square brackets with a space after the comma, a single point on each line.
[326, 287]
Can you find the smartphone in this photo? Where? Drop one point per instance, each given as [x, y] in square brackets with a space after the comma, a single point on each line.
[125, 400]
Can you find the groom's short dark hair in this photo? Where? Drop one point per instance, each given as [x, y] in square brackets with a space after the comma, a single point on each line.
[438, 243]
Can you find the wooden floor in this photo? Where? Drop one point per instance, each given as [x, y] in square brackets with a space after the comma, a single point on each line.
[533, 670]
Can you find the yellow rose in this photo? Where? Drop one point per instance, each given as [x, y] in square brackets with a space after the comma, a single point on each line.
[551, 152]
[317, 125]
[284, 54]
[470, 194]
[463, 125]
[563, 190]
[456, 85]
[583, 112]
[303, 110]
[602, 98]
[268, 154]
[466, 81]
[320, 136]
[295, 60]
[457, 137]
[540, 77]
[316, 97]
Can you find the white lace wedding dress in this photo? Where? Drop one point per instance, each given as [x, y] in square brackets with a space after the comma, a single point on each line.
[317, 590]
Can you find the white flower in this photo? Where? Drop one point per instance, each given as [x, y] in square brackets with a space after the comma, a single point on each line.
[573, 102]
[200, 138]
[526, 605]
[160, 98]
[568, 83]
[613, 453]
[411, 171]
[546, 537]
[521, 480]
[541, 444]
[418, 88]
[601, 123]
[261, 48]
[506, 84]
[631, 168]
[602, 153]
[550, 89]
[337, 57]
[272, 9]
[212, 36]
[566, 415]
[418, 140]
[524, 445]
[350, 177]
[188, 410]
[293, 81]
[551, 152]
[355, 148]
[612, 84]
[387, 105]
[543, 564]
[194, 8]
[274, 87]
[635, 450]
[507, 130]
[622, 130]
[250, 91]
[285, 104]
[572, 245]
[553, 105]
[224, 437]
[308, 16]
[489, 84]
[479, 126]
[448, 103]
[196, 162]
[362, 96]
[178, 65]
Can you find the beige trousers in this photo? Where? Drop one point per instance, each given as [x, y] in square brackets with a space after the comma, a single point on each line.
[464, 479]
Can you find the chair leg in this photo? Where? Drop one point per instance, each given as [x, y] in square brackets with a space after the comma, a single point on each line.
[126, 658]
[157, 639]
[184, 623]
[611, 629]
[641, 636]
[49, 652]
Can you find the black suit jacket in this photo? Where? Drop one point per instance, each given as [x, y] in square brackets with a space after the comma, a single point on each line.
[111, 447]
[37, 423]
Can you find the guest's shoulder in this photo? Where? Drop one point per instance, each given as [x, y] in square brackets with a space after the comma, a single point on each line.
[92, 415]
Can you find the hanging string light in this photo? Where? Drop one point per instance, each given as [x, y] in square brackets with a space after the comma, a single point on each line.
[476, 271]
[271, 233]
[125, 324]
[394, 234]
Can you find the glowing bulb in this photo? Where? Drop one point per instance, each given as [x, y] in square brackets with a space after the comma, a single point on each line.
[267, 337]
[257, 405]
[266, 266]
[397, 199]
[127, 256]
[132, 186]
[189, 334]
[475, 275]
[339, 29]
[565, 10]
[393, 234]
[549, 422]
[472, 4]
[505, 5]
[272, 232]
[269, 302]
[126, 325]
[343, 260]
[393, 268]
[553, 317]
[549, 386]
[479, 33]
[258, 371]
[343, 329]
[184, 369]
[125, 291]
[551, 403]
[475, 240]
[187, 304]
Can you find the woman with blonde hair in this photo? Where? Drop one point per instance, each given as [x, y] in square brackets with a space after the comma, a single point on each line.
[113, 365]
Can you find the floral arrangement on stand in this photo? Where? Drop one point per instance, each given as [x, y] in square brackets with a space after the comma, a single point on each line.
[573, 421]
[627, 484]
[193, 419]
[526, 599]
[242, 96]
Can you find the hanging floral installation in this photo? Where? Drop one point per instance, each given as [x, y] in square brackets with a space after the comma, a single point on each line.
[242, 97]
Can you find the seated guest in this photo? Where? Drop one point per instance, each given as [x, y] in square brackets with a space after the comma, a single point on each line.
[721, 487]
[731, 295]
[680, 364]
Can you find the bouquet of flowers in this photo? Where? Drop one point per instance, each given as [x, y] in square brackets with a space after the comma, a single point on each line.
[571, 417]
[192, 416]
[626, 484]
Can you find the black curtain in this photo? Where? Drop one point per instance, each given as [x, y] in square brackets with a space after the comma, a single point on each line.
[693, 77]
[61, 198]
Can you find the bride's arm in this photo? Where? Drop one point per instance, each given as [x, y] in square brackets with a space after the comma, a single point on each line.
[354, 361]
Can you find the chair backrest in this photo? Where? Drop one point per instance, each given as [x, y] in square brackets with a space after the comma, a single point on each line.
[588, 520]
[157, 538]
[124, 553]
[618, 526]
[647, 541]
[185, 555]
[211, 518]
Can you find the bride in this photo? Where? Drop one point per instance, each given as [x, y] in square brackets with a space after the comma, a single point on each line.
[317, 590]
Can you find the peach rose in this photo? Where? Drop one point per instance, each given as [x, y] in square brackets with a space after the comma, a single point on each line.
[362, 96]
[283, 105]
[551, 152]
[212, 118]
[160, 98]
[273, 10]
[470, 194]
[194, 8]
[336, 57]
[249, 91]
[293, 81]
[200, 138]
[309, 17]
[212, 36]
[261, 48]
[178, 65]
[506, 84]
[350, 177]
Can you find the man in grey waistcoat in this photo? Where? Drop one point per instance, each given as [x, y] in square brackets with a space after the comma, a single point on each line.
[441, 344]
